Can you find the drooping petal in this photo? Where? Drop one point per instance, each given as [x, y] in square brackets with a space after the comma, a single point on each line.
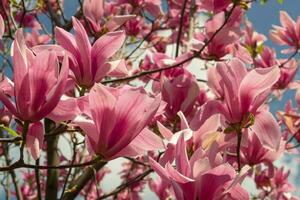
[256, 82]
[34, 139]
[65, 110]
[145, 141]
[117, 21]
[267, 130]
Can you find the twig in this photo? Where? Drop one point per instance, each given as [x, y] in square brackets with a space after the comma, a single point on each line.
[37, 176]
[127, 184]
[180, 28]
[83, 180]
[70, 170]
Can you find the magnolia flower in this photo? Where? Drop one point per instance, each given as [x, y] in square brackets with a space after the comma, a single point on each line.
[94, 10]
[180, 92]
[118, 121]
[241, 95]
[288, 34]
[203, 176]
[89, 63]
[38, 85]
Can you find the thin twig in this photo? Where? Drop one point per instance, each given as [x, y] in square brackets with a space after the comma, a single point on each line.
[180, 28]
[37, 176]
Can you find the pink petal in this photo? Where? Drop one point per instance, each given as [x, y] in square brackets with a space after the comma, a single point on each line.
[166, 133]
[287, 21]
[34, 139]
[102, 104]
[176, 176]
[145, 141]
[118, 68]
[105, 47]
[56, 92]
[93, 9]
[207, 110]
[8, 103]
[181, 158]
[19, 60]
[267, 130]
[256, 82]
[65, 110]
[162, 172]
[117, 21]
[134, 110]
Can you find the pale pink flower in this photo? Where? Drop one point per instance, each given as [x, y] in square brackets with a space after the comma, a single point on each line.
[94, 10]
[242, 94]
[118, 121]
[203, 176]
[89, 63]
[288, 34]
[180, 92]
[38, 85]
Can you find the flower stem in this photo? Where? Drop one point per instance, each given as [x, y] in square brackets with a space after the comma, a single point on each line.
[238, 149]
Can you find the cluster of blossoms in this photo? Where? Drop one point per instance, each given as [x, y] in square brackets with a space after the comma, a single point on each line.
[117, 81]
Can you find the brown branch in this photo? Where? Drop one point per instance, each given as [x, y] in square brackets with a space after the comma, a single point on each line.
[289, 58]
[127, 184]
[19, 164]
[79, 183]
[180, 27]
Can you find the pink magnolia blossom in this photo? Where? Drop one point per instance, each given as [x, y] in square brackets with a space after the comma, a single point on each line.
[38, 85]
[288, 70]
[118, 121]
[94, 10]
[288, 34]
[242, 94]
[255, 153]
[180, 92]
[199, 177]
[89, 63]
[252, 38]
[220, 45]
[276, 185]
